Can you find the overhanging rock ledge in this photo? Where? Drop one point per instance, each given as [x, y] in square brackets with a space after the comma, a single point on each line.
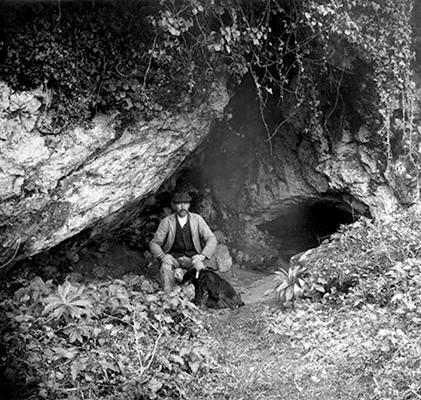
[54, 186]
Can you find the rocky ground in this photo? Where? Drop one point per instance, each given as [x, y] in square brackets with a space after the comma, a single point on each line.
[255, 363]
[115, 260]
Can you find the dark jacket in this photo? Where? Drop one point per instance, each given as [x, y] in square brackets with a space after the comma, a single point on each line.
[164, 236]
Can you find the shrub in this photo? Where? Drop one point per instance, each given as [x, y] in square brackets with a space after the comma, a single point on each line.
[367, 331]
[68, 303]
[107, 340]
[291, 284]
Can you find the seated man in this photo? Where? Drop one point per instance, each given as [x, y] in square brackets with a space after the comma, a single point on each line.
[178, 241]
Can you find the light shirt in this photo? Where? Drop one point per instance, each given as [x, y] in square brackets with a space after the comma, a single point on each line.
[182, 220]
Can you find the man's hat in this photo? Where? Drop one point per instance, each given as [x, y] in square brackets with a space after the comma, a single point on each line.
[181, 198]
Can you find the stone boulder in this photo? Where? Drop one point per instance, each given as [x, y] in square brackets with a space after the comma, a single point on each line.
[53, 186]
[223, 258]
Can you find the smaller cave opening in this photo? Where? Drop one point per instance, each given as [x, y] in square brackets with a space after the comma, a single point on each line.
[302, 226]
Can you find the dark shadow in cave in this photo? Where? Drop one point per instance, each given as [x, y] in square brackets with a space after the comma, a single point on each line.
[305, 225]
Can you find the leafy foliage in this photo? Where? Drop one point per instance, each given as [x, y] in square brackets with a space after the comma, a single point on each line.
[68, 303]
[370, 262]
[367, 322]
[140, 58]
[291, 284]
[93, 58]
[350, 353]
[377, 34]
[108, 339]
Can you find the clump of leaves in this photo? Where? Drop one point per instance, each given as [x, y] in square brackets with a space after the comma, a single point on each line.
[76, 332]
[106, 340]
[291, 284]
[69, 302]
[368, 323]
[95, 58]
[372, 262]
[370, 332]
[339, 346]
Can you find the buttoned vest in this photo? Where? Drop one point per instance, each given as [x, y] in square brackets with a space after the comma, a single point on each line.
[183, 242]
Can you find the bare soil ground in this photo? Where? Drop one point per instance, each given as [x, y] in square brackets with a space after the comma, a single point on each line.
[253, 286]
[255, 364]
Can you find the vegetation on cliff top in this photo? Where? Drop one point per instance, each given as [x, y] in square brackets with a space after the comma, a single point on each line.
[343, 63]
[137, 55]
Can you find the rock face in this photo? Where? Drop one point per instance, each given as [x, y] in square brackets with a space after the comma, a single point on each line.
[54, 186]
[251, 174]
[255, 180]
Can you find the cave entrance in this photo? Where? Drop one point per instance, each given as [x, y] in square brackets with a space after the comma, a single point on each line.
[305, 225]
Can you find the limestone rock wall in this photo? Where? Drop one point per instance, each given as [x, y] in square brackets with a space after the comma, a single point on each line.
[52, 186]
[254, 180]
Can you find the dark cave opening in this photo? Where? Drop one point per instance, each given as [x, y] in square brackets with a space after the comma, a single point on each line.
[306, 225]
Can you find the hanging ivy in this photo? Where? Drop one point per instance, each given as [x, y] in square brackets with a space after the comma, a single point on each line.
[380, 34]
[93, 58]
[142, 57]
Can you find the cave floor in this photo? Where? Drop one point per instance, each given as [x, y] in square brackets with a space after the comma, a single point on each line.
[253, 286]
[254, 364]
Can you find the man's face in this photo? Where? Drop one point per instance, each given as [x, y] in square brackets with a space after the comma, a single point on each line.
[181, 209]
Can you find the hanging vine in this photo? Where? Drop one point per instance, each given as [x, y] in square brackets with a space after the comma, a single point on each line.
[284, 44]
[140, 57]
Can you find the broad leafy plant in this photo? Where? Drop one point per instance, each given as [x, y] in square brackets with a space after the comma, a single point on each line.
[76, 332]
[139, 345]
[291, 284]
[68, 303]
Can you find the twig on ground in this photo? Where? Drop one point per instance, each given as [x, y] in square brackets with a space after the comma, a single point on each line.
[136, 338]
[415, 393]
[298, 386]
[152, 355]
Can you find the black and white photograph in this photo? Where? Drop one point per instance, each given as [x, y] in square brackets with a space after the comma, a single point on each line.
[210, 199]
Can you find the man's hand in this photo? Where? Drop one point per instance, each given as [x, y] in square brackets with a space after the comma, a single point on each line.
[198, 258]
[169, 259]
[198, 265]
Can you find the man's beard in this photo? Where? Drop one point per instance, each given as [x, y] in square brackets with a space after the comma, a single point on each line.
[182, 213]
